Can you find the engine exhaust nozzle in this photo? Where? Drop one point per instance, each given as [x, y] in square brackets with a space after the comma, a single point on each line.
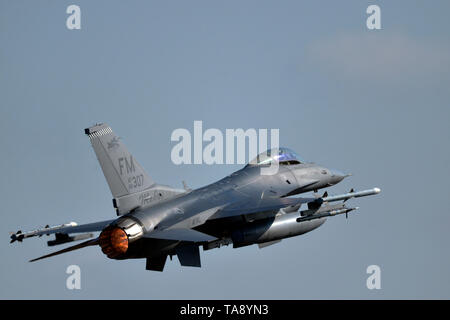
[113, 241]
[116, 239]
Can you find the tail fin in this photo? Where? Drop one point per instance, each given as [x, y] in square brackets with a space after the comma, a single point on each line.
[123, 173]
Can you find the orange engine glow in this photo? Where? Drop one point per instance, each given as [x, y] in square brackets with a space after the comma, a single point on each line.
[114, 242]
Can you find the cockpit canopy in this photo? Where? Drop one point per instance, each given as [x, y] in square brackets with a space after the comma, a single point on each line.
[284, 156]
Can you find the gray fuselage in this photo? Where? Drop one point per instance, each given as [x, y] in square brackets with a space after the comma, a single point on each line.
[247, 185]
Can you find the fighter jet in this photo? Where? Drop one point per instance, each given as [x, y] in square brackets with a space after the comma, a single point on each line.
[245, 208]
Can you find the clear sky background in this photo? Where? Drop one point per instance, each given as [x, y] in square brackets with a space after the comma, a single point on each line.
[373, 103]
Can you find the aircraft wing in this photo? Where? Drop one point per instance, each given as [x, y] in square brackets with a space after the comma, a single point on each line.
[182, 230]
[260, 205]
[67, 229]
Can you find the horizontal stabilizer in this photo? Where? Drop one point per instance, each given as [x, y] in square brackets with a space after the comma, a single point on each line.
[180, 235]
[88, 243]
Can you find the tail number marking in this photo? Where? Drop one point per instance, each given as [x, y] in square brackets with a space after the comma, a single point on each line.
[135, 181]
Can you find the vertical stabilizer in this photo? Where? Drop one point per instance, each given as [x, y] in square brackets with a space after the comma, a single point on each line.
[122, 172]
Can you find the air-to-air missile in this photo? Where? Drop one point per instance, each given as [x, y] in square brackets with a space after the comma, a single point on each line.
[60, 237]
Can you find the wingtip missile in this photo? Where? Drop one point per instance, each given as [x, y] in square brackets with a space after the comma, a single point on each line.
[19, 235]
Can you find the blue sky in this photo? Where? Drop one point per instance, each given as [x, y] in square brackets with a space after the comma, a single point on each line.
[373, 103]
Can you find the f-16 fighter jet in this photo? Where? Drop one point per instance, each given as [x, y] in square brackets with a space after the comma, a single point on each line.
[247, 207]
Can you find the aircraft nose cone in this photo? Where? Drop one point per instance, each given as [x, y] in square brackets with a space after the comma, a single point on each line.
[337, 176]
